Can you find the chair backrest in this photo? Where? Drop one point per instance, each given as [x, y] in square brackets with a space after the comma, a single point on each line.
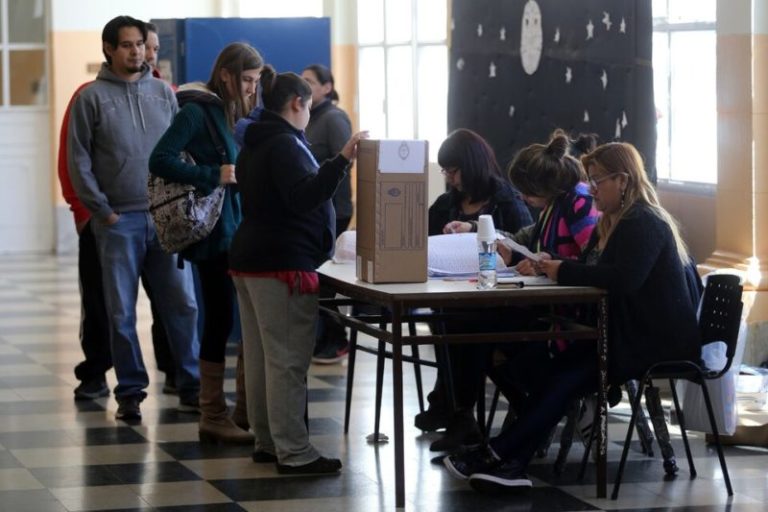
[720, 314]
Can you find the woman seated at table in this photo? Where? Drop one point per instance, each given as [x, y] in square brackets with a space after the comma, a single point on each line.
[476, 186]
[637, 255]
[554, 182]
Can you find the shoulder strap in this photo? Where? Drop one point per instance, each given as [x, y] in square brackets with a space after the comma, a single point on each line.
[215, 137]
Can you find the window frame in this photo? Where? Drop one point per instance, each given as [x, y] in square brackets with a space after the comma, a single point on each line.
[6, 47]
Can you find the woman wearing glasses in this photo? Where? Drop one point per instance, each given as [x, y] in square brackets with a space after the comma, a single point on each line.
[637, 254]
[476, 186]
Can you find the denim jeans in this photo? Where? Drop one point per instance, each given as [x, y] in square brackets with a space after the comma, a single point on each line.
[126, 249]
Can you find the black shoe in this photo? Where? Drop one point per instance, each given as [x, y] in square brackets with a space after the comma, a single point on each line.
[505, 477]
[476, 460]
[432, 419]
[462, 431]
[169, 388]
[92, 389]
[189, 404]
[261, 456]
[330, 353]
[128, 408]
[321, 465]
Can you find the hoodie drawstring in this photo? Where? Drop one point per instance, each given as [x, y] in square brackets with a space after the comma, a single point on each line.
[138, 103]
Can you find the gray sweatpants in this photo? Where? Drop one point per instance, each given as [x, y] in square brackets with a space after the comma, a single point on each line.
[278, 340]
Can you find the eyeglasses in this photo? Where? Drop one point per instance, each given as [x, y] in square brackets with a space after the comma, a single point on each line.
[449, 171]
[594, 182]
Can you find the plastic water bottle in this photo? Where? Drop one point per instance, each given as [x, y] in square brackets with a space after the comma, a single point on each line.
[486, 248]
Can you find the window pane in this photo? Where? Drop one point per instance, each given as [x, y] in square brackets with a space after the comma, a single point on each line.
[398, 16]
[295, 8]
[659, 8]
[370, 21]
[692, 10]
[431, 20]
[26, 21]
[661, 95]
[400, 93]
[433, 96]
[2, 94]
[28, 80]
[371, 92]
[694, 107]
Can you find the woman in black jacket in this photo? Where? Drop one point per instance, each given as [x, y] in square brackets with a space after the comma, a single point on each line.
[476, 187]
[287, 231]
[637, 255]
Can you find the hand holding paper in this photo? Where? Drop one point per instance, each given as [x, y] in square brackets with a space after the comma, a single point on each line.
[511, 244]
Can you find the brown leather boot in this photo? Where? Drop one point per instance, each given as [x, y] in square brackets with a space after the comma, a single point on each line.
[240, 412]
[215, 424]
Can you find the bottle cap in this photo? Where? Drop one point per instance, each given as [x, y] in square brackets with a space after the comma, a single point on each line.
[485, 230]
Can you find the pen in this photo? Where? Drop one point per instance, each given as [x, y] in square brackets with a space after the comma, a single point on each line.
[511, 284]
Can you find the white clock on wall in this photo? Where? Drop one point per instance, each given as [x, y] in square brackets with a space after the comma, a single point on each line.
[531, 37]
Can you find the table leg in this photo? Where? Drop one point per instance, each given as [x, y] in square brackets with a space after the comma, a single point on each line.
[602, 404]
[397, 382]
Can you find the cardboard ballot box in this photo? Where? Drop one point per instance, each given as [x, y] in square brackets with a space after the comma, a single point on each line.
[392, 211]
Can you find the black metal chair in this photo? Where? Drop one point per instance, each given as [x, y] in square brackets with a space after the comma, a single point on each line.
[719, 320]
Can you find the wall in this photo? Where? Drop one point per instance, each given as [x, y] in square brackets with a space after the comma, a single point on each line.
[695, 211]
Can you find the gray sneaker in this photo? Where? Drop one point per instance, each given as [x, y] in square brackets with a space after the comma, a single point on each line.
[91, 390]
[128, 408]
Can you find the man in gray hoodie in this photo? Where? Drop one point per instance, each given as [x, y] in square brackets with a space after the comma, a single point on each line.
[115, 123]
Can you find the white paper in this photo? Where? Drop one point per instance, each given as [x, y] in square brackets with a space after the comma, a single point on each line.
[402, 156]
[511, 244]
[456, 255]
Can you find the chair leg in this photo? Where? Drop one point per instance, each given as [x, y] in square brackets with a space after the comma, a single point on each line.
[566, 436]
[683, 433]
[492, 412]
[628, 440]
[350, 376]
[643, 432]
[716, 436]
[416, 366]
[380, 359]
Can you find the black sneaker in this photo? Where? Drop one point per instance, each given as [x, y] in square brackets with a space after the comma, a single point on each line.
[169, 388]
[505, 477]
[330, 353]
[321, 465]
[260, 456]
[128, 408]
[91, 390]
[432, 419]
[475, 460]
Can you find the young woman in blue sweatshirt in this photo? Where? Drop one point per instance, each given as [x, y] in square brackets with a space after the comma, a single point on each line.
[288, 230]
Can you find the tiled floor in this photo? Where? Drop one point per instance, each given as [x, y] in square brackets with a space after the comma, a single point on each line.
[58, 455]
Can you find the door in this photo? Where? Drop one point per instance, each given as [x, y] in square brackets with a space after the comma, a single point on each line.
[26, 197]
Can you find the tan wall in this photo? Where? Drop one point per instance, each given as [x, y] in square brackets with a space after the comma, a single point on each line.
[695, 211]
[344, 69]
[71, 52]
